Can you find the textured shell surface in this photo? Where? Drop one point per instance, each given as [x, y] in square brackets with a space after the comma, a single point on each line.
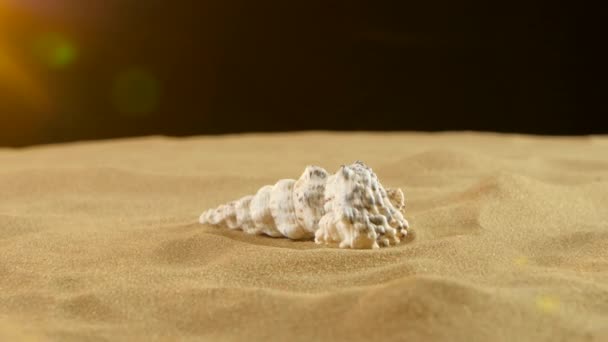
[349, 208]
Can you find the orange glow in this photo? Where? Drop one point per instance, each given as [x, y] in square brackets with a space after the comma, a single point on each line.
[15, 77]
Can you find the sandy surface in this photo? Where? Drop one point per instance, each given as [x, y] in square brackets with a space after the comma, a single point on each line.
[99, 241]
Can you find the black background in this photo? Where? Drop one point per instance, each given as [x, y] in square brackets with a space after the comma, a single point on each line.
[242, 66]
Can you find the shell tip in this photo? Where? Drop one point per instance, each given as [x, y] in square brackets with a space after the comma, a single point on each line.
[202, 219]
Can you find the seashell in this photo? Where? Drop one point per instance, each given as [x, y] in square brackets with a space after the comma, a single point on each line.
[349, 208]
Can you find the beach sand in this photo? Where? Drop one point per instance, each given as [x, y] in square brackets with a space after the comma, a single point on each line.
[99, 241]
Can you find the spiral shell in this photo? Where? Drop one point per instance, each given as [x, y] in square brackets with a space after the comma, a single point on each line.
[349, 208]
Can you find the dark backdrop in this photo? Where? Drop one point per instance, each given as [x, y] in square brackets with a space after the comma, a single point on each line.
[124, 68]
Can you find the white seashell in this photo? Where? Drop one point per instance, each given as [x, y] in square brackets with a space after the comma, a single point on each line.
[350, 208]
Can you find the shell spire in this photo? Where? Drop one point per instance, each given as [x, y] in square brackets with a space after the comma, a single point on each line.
[349, 208]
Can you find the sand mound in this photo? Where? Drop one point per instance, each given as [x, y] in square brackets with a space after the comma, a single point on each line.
[99, 242]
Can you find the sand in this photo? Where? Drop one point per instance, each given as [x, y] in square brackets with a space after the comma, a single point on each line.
[99, 241]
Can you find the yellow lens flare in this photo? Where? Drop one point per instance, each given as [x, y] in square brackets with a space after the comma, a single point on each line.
[547, 303]
[521, 260]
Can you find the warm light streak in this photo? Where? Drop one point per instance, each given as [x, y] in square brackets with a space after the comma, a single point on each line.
[15, 77]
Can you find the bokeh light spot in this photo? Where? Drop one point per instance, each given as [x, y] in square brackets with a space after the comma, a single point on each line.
[136, 92]
[55, 50]
[547, 304]
[521, 261]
